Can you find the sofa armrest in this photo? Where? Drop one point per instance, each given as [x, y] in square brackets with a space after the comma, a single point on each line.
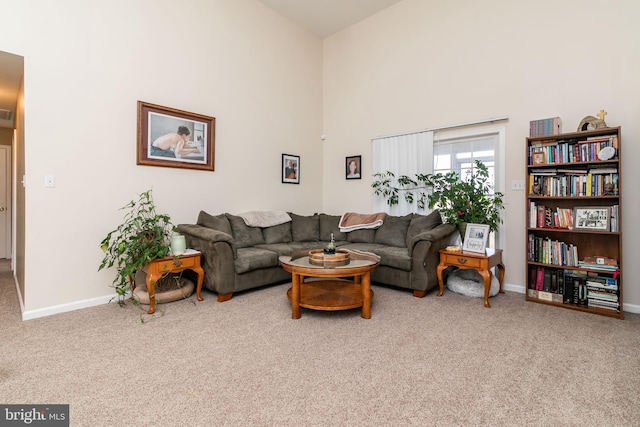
[444, 233]
[218, 256]
[208, 235]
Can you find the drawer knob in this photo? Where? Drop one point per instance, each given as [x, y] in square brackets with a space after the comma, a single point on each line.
[462, 260]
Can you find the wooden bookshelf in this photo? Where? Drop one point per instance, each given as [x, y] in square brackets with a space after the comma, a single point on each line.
[574, 221]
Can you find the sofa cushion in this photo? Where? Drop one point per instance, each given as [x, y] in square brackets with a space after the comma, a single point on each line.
[305, 228]
[390, 256]
[278, 233]
[393, 231]
[218, 222]
[361, 236]
[328, 225]
[244, 235]
[250, 259]
[421, 223]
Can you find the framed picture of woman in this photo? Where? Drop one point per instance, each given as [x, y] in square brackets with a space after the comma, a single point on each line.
[353, 164]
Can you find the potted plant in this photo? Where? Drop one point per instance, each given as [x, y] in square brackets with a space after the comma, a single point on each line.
[143, 236]
[460, 199]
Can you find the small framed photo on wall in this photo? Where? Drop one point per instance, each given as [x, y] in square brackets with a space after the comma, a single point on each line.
[353, 165]
[290, 169]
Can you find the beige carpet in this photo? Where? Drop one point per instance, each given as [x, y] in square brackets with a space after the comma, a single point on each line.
[417, 362]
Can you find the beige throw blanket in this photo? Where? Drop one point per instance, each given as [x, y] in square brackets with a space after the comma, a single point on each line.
[264, 218]
[354, 221]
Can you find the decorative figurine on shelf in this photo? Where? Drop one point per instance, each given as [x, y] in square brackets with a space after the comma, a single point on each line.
[593, 123]
[331, 247]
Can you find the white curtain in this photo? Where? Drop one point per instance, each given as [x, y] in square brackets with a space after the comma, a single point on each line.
[403, 155]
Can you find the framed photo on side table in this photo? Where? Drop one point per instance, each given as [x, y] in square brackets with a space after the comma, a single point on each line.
[592, 218]
[475, 238]
[174, 138]
[290, 169]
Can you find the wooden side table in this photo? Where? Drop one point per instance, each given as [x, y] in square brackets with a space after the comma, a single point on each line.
[157, 268]
[482, 263]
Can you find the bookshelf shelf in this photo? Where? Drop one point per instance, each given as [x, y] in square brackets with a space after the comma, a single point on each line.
[573, 221]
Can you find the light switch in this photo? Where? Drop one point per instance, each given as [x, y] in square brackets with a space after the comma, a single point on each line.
[49, 181]
[517, 185]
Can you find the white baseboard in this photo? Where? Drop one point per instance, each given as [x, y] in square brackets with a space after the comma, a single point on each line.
[627, 308]
[63, 308]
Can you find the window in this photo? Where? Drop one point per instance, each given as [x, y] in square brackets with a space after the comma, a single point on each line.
[451, 150]
[459, 152]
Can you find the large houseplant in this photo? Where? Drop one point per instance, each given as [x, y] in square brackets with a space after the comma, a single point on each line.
[143, 236]
[460, 199]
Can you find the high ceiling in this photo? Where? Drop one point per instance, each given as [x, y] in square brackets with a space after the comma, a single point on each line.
[321, 17]
[325, 17]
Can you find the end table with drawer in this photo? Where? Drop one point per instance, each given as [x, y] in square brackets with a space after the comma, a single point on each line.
[157, 268]
[481, 262]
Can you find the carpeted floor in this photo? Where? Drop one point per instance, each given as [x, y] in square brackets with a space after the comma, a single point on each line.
[417, 362]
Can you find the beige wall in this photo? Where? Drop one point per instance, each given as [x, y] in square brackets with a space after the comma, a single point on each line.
[423, 64]
[86, 66]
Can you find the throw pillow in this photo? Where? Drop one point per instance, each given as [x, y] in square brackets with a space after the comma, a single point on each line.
[218, 222]
[393, 231]
[362, 236]
[422, 223]
[277, 233]
[244, 235]
[329, 224]
[305, 228]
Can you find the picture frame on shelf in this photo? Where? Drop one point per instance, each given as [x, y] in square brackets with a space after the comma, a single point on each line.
[353, 167]
[290, 169]
[538, 158]
[594, 218]
[475, 238]
[174, 138]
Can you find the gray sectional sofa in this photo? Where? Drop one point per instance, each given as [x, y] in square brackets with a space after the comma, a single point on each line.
[236, 257]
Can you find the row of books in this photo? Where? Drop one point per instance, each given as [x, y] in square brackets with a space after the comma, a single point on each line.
[581, 288]
[541, 216]
[541, 127]
[564, 183]
[552, 252]
[571, 151]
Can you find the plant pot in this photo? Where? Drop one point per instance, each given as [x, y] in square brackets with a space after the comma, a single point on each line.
[178, 244]
[462, 228]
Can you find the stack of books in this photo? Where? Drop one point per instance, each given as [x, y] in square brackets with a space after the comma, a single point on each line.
[551, 126]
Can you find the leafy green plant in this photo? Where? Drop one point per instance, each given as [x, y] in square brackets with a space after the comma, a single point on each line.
[460, 199]
[143, 236]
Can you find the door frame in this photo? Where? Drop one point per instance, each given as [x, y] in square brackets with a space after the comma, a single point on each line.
[8, 246]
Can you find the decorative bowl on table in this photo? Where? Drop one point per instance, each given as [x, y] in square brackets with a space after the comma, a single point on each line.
[319, 257]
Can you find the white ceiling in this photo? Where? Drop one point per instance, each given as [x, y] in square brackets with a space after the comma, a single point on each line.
[320, 17]
[325, 17]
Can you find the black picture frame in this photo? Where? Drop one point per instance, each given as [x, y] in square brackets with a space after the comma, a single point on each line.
[357, 172]
[290, 169]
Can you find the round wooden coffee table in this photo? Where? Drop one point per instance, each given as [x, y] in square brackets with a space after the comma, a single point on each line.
[329, 294]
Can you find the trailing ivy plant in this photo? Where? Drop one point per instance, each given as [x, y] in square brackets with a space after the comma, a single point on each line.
[460, 199]
[143, 236]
